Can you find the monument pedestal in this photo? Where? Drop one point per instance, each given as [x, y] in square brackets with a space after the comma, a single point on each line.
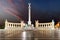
[29, 27]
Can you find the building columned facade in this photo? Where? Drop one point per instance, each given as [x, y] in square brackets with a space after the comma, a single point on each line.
[44, 26]
[21, 25]
[10, 25]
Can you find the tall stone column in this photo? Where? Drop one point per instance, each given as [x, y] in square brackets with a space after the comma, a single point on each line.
[29, 14]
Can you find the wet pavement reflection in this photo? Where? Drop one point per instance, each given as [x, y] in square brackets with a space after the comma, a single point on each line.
[29, 34]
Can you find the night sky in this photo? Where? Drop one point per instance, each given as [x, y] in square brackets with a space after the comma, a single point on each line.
[17, 10]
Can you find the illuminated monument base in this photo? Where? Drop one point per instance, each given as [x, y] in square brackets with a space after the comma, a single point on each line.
[29, 27]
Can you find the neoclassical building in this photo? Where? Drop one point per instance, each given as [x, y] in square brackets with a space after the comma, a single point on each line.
[11, 25]
[44, 26]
